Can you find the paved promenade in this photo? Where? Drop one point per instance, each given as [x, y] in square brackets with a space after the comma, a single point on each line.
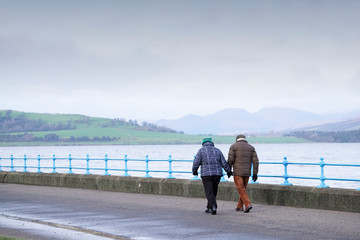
[37, 212]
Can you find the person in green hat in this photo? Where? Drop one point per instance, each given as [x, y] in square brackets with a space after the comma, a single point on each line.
[212, 162]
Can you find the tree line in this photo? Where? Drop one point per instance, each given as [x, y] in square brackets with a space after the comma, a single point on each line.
[145, 126]
[333, 136]
[10, 124]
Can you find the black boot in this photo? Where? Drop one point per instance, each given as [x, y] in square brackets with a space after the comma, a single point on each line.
[213, 210]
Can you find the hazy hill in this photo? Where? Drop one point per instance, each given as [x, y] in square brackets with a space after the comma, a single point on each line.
[64, 129]
[340, 131]
[281, 118]
[344, 125]
[222, 122]
[232, 121]
[20, 128]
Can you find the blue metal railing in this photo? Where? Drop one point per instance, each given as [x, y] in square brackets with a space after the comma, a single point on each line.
[322, 177]
[82, 166]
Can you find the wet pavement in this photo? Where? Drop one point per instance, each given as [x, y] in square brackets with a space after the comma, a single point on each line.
[36, 212]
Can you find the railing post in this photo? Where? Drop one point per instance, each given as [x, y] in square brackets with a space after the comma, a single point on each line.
[252, 173]
[222, 177]
[54, 167]
[170, 169]
[194, 176]
[87, 164]
[12, 164]
[126, 167]
[70, 166]
[25, 167]
[106, 165]
[147, 167]
[39, 171]
[286, 176]
[322, 176]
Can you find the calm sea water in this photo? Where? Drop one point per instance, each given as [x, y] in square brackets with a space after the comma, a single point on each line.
[345, 153]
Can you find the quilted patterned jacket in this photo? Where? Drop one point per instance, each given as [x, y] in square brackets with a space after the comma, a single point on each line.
[211, 161]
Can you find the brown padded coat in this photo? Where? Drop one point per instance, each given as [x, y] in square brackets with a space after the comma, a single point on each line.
[241, 156]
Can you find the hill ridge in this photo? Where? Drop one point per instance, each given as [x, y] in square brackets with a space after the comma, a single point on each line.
[271, 119]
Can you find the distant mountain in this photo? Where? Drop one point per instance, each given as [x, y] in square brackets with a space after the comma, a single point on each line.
[275, 119]
[344, 125]
[221, 122]
[281, 118]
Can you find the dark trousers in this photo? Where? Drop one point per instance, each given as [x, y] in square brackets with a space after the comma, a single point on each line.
[211, 184]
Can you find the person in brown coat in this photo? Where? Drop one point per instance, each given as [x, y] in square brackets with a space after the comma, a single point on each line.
[241, 157]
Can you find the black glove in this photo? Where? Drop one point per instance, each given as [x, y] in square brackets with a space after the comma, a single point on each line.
[229, 173]
[195, 173]
[254, 177]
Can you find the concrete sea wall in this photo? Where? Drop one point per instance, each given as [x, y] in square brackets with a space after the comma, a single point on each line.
[294, 196]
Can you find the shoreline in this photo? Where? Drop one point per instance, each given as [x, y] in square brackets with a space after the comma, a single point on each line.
[125, 142]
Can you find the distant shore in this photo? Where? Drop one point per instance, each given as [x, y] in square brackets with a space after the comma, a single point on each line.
[194, 140]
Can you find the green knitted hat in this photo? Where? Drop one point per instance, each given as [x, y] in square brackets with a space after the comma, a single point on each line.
[207, 140]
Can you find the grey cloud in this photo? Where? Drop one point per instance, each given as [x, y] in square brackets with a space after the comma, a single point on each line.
[183, 53]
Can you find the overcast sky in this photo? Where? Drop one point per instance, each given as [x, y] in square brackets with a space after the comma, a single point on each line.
[150, 60]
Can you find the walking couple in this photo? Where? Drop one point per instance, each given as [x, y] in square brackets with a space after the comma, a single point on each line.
[240, 158]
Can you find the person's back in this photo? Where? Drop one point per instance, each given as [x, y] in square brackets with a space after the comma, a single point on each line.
[211, 160]
[241, 156]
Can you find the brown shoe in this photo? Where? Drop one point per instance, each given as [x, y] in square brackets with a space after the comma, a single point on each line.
[248, 208]
[239, 209]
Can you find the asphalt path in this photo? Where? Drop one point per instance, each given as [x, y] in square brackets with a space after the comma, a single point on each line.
[37, 212]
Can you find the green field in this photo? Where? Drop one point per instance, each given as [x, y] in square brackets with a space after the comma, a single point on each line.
[121, 132]
[8, 238]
